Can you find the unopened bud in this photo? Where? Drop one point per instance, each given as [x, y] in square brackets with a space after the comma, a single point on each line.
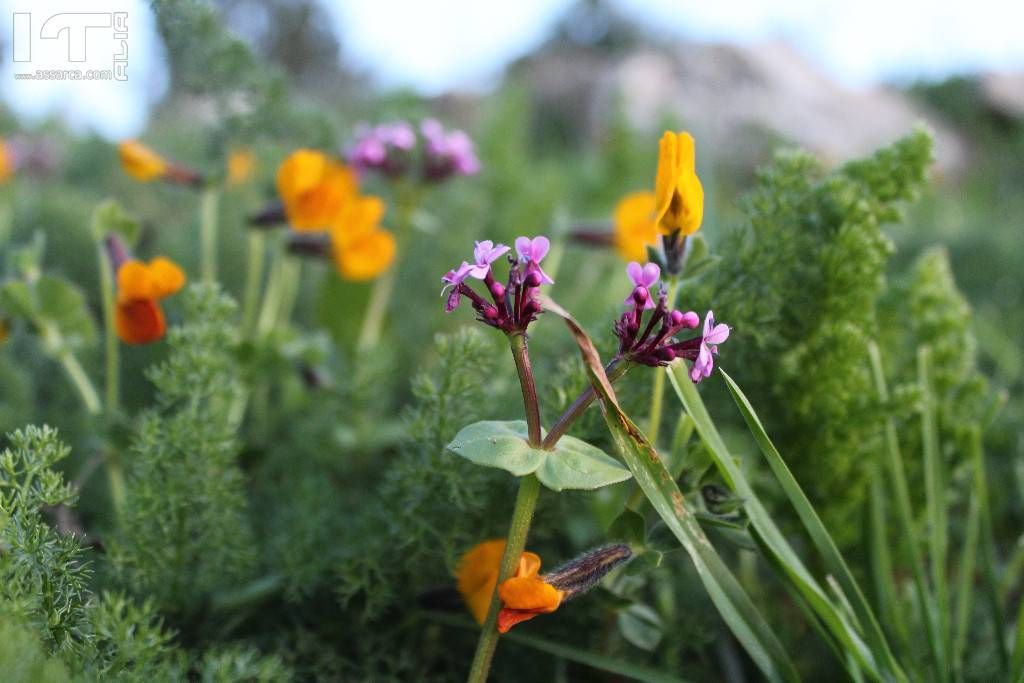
[641, 295]
[491, 313]
[533, 279]
[690, 319]
[586, 571]
[666, 354]
[497, 289]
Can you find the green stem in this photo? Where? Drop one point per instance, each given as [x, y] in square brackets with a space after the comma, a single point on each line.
[291, 274]
[376, 310]
[84, 385]
[658, 388]
[272, 294]
[111, 347]
[522, 515]
[208, 234]
[253, 278]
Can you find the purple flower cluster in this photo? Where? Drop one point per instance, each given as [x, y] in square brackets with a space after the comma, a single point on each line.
[655, 343]
[390, 148]
[513, 306]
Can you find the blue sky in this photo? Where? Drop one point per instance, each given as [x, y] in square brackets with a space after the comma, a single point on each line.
[442, 44]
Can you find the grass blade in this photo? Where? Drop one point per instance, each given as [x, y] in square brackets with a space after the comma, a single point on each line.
[822, 540]
[965, 595]
[881, 563]
[785, 558]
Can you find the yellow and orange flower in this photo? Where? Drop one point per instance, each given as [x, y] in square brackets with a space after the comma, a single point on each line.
[679, 196]
[314, 189]
[362, 250]
[6, 162]
[141, 162]
[524, 596]
[241, 166]
[138, 317]
[635, 227]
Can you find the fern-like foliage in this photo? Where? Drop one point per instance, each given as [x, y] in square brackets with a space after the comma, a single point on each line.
[801, 289]
[43, 578]
[185, 530]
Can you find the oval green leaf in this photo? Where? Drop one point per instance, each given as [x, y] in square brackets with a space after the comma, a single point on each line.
[573, 464]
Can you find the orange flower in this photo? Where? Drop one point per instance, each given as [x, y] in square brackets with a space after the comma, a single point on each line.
[635, 228]
[526, 594]
[241, 166]
[140, 162]
[679, 196]
[362, 250]
[314, 189]
[140, 286]
[6, 162]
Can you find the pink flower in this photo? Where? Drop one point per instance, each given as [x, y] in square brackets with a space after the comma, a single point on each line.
[642, 276]
[486, 253]
[447, 152]
[453, 279]
[712, 337]
[531, 252]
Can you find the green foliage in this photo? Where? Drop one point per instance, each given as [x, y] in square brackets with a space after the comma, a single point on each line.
[23, 658]
[801, 290]
[185, 530]
[572, 464]
[44, 577]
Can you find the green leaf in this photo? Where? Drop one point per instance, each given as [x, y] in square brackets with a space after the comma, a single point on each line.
[573, 464]
[641, 626]
[63, 304]
[629, 527]
[823, 541]
[110, 217]
[767, 534]
[733, 604]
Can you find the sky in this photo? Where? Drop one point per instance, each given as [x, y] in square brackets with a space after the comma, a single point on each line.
[442, 44]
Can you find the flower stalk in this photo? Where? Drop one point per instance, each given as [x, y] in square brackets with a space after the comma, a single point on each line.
[208, 209]
[658, 386]
[110, 346]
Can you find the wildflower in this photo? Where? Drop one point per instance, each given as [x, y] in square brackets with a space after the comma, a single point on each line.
[528, 593]
[645, 276]
[7, 161]
[486, 253]
[145, 165]
[362, 250]
[447, 153]
[709, 341]
[679, 196]
[386, 148]
[241, 166]
[635, 227]
[655, 342]
[140, 287]
[532, 252]
[314, 189]
[514, 305]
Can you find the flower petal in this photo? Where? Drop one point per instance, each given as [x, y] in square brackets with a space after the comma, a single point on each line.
[635, 272]
[651, 273]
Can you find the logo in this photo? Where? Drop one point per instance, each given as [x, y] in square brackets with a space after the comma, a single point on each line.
[70, 46]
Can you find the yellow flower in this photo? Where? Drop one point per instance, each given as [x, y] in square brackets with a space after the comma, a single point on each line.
[679, 196]
[241, 166]
[362, 250]
[314, 189]
[140, 286]
[635, 228]
[140, 162]
[6, 162]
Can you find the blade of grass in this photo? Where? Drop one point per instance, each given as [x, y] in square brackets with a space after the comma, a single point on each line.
[965, 594]
[762, 524]
[819, 535]
[935, 497]
[881, 564]
[733, 604]
[905, 517]
[988, 550]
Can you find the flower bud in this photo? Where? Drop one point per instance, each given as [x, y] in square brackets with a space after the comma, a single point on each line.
[690, 320]
[491, 313]
[666, 354]
[641, 295]
[533, 279]
[586, 571]
[497, 289]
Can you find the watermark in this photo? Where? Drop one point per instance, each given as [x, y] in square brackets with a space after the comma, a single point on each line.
[70, 46]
